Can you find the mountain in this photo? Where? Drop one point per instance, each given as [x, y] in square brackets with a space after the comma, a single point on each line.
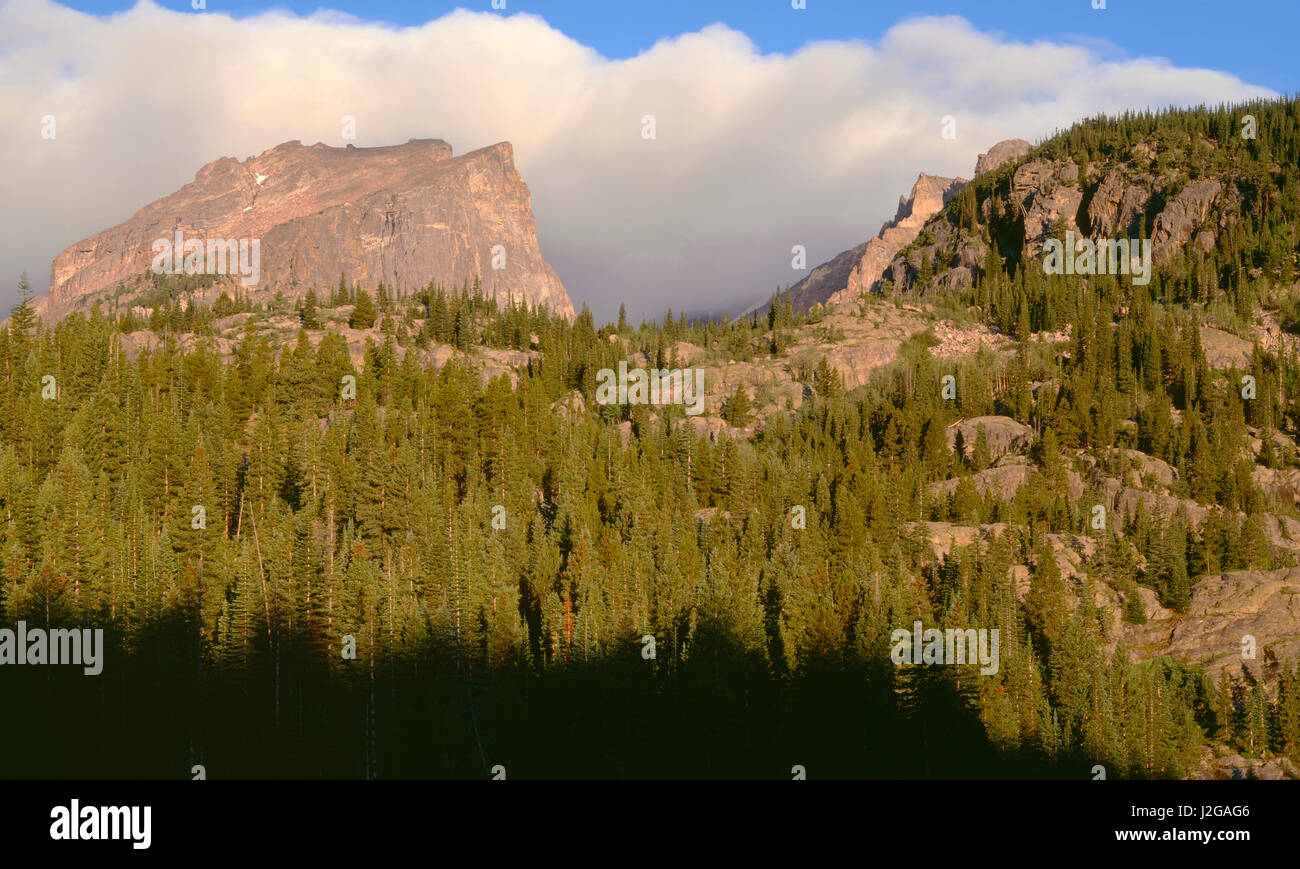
[1218, 204]
[1010, 149]
[402, 215]
[857, 271]
[1105, 471]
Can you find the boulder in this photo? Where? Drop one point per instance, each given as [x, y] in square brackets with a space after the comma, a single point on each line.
[1002, 433]
[1001, 153]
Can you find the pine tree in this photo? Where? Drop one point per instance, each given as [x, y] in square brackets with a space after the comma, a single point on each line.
[981, 459]
[738, 408]
[22, 315]
[310, 316]
[363, 314]
[1045, 603]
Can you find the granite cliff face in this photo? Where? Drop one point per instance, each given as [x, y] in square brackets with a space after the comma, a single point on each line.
[403, 215]
[1225, 609]
[858, 271]
[1183, 214]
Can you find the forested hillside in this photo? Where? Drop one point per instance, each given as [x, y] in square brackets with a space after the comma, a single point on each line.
[499, 547]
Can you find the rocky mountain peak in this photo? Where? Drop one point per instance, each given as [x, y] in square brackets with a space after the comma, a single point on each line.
[402, 215]
[1002, 152]
[858, 271]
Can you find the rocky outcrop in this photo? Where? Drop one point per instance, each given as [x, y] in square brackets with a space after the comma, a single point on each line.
[1282, 484]
[858, 271]
[1003, 482]
[853, 343]
[1047, 191]
[1002, 434]
[1225, 609]
[1141, 469]
[404, 215]
[1183, 214]
[1001, 153]
[488, 362]
[1225, 350]
[1118, 204]
[1115, 199]
[1218, 763]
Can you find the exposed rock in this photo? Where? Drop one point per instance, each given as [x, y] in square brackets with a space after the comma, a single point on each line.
[1219, 763]
[1149, 468]
[1047, 191]
[1071, 550]
[957, 341]
[1002, 433]
[1282, 532]
[1181, 216]
[1117, 204]
[572, 407]
[1225, 608]
[943, 537]
[684, 353]
[233, 321]
[1123, 500]
[704, 426]
[1280, 483]
[134, 343]
[1225, 350]
[858, 271]
[1002, 152]
[1151, 605]
[404, 215]
[1003, 482]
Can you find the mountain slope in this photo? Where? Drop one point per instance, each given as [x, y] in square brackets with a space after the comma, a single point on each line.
[1219, 206]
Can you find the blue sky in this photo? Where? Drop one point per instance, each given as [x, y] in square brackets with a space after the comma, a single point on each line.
[1255, 39]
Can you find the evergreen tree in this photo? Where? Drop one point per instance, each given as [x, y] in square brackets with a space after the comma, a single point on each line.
[363, 314]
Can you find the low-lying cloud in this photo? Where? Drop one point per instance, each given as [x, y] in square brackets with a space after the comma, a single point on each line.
[753, 153]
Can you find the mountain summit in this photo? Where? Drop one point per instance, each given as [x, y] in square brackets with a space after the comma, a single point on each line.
[402, 215]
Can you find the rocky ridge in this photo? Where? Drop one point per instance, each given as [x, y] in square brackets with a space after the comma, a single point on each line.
[860, 270]
[857, 271]
[1031, 193]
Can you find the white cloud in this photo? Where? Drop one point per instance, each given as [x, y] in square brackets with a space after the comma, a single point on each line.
[754, 152]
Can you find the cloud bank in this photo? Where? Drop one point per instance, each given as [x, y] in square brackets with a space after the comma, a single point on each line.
[753, 153]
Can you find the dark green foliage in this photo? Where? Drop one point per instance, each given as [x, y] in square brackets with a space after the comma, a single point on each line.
[364, 314]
